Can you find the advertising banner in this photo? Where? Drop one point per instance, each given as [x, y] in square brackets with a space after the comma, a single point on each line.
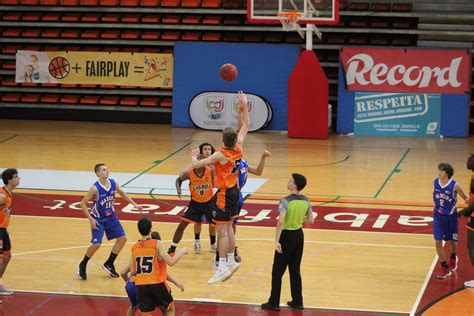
[120, 69]
[397, 114]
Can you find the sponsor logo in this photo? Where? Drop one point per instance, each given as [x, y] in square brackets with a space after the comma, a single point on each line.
[215, 107]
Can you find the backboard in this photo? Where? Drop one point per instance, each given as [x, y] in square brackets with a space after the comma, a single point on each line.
[317, 12]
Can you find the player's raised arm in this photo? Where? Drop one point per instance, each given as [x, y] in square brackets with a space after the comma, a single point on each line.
[244, 120]
[88, 197]
[125, 196]
[261, 165]
[196, 164]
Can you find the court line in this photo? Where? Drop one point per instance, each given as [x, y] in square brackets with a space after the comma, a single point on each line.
[5, 140]
[320, 165]
[240, 239]
[395, 169]
[423, 287]
[157, 162]
[203, 300]
[243, 226]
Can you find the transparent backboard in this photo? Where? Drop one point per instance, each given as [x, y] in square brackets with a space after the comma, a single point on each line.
[312, 11]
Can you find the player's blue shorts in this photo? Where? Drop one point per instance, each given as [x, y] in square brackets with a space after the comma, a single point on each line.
[239, 207]
[110, 226]
[445, 227]
[131, 289]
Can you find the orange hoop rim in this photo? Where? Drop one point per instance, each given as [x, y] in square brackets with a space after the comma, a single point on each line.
[290, 15]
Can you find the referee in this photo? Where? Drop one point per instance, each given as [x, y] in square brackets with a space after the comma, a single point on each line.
[289, 240]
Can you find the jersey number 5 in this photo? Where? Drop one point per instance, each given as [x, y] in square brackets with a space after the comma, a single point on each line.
[144, 265]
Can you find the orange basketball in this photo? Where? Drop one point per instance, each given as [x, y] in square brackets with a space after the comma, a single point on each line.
[228, 72]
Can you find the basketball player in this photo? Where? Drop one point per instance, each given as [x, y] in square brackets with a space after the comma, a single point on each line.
[148, 262]
[201, 186]
[103, 219]
[205, 150]
[445, 219]
[11, 180]
[131, 288]
[468, 213]
[226, 164]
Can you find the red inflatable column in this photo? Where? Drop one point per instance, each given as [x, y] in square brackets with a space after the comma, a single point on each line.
[308, 93]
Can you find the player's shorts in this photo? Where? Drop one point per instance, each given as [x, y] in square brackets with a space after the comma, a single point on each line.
[111, 226]
[470, 245]
[5, 237]
[131, 290]
[152, 296]
[239, 207]
[226, 202]
[445, 227]
[196, 211]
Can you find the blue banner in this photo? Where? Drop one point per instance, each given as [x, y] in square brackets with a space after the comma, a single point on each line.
[397, 114]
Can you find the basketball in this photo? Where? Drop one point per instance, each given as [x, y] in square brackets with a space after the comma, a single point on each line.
[228, 72]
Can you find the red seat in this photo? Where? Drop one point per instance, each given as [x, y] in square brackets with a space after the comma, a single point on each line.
[110, 34]
[252, 37]
[71, 17]
[32, 98]
[168, 50]
[12, 32]
[107, 86]
[150, 3]
[51, 33]
[192, 19]
[211, 3]
[69, 2]
[31, 33]
[10, 49]
[400, 40]
[212, 19]
[232, 20]
[191, 3]
[171, 19]
[11, 97]
[49, 2]
[401, 24]
[151, 18]
[382, 23]
[151, 50]
[71, 48]
[377, 39]
[336, 38]
[90, 49]
[12, 16]
[191, 36]
[150, 35]
[110, 18]
[10, 1]
[358, 39]
[70, 33]
[130, 34]
[68, 85]
[358, 22]
[171, 35]
[131, 18]
[129, 101]
[402, 7]
[9, 82]
[109, 100]
[90, 34]
[212, 36]
[49, 84]
[343, 5]
[235, 4]
[232, 37]
[71, 98]
[50, 98]
[150, 101]
[90, 99]
[89, 2]
[9, 64]
[130, 3]
[359, 6]
[380, 7]
[87, 86]
[170, 3]
[109, 2]
[30, 2]
[110, 49]
[90, 17]
[51, 16]
[130, 49]
[167, 102]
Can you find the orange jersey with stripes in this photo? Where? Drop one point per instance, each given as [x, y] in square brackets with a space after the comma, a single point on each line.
[147, 267]
[201, 187]
[226, 176]
[6, 208]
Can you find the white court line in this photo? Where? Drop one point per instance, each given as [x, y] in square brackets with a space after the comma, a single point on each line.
[205, 300]
[240, 239]
[253, 226]
[423, 287]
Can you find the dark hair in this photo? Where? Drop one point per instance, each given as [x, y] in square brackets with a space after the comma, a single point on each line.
[97, 167]
[300, 181]
[446, 167]
[470, 162]
[144, 226]
[8, 174]
[229, 137]
[155, 235]
[201, 147]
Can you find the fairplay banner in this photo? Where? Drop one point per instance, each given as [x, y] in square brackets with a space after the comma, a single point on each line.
[120, 69]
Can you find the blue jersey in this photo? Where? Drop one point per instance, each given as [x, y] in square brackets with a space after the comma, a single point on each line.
[104, 205]
[444, 197]
[243, 172]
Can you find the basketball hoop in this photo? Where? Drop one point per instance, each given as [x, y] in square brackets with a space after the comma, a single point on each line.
[289, 22]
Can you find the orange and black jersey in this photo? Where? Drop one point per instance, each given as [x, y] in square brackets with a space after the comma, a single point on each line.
[226, 176]
[201, 187]
[147, 267]
[6, 208]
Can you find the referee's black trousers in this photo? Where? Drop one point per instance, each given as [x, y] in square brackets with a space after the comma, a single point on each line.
[292, 242]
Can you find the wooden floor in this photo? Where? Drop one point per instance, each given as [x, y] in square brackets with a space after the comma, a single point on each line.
[341, 269]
